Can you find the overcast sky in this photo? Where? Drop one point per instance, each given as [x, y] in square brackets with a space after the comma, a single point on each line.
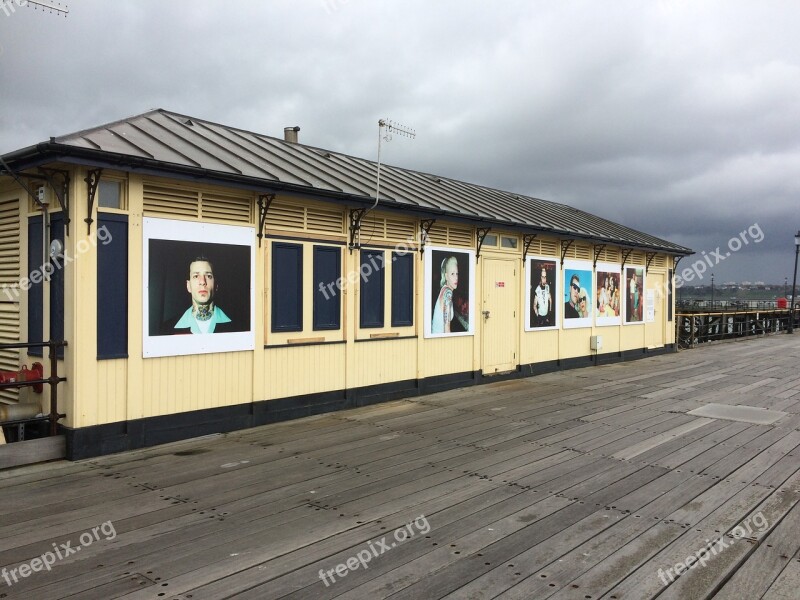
[680, 118]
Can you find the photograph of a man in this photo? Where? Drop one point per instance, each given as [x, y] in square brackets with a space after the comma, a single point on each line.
[198, 283]
[203, 316]
[542, 292]
[572, 306]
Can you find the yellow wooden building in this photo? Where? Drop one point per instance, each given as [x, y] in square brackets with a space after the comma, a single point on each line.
[321, 300]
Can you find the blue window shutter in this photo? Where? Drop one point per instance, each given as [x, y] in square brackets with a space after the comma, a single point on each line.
[327, 297]
[287, 287]
[402, 289]
[112, 287]
[371, 281]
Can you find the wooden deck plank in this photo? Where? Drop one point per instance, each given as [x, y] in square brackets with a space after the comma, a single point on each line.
[591, 478]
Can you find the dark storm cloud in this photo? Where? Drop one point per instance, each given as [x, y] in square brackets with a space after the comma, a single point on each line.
[674, 117]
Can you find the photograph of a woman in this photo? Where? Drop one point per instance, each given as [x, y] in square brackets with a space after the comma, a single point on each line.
[449, 294]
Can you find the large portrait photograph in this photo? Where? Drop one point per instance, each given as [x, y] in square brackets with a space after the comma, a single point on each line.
[542, 306]
[198, 282]
[578, 294]
[608, 295]
[634, 295]
[449, 292]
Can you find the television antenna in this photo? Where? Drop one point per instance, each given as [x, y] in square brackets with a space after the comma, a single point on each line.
[386, 129]
[47, 5]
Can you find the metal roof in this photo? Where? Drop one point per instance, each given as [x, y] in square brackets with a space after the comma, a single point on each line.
[165, 142]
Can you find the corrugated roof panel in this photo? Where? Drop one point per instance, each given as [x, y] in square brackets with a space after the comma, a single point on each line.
[174, 139]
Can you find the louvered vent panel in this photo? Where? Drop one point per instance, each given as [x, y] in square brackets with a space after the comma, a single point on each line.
[437, 235]
[160, 200]
[286, 216]
[612, 255]
[9, 334]
[400, 231]
[659, 261]
[324, 220]
[221, 207]
[9, 242]
[636, 258]
[373, 228]
[460, 236]
[583, 252]
[548, 248]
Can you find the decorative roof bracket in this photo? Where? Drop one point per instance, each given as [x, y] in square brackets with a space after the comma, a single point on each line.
[527, 239]
[92, 179]
[264, 202]
[480, 234]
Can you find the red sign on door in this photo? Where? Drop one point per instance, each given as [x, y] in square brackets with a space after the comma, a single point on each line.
[500, 284]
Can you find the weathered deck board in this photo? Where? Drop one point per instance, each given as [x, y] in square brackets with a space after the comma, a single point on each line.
[587, 483]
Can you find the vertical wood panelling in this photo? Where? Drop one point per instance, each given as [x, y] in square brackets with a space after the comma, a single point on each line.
[303, 370]
[182, 383]
[447, 355]
[384, 362]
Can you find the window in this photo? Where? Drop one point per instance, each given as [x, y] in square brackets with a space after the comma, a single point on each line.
[508, 242]
[112, 287]
[109, 194]
[287, 287]
[327, 298]
[490, 240]
[372, 288]
[402, 289]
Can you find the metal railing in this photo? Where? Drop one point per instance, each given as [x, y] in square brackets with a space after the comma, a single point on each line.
[700, 327]
[53, 380]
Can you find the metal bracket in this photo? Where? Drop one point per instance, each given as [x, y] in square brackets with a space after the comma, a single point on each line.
[426, 226]
[264, 202]
[61, 191]
[564, 249]
[92, 179]
[480, 234]
[677, 260]
[597, 251]
[650, 256]
[625, 255]
[527, 239]
[18, 178]
[356, 215]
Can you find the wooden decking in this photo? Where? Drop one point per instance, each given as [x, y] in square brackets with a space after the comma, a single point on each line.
[580, 485]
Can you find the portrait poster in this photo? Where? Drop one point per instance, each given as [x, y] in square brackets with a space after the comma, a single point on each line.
[608, 295]
[577, 298]
[449, 292]
[634, 296]
[542, 305]
[198, 282]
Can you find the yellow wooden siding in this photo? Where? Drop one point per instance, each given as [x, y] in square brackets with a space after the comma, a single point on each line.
[288, 371]
[384, 361]
[183, 383]
[9, 288]
[539, 346]
[441, 356]
[112, 393]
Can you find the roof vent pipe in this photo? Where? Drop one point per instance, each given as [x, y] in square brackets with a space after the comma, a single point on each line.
[290, 134]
